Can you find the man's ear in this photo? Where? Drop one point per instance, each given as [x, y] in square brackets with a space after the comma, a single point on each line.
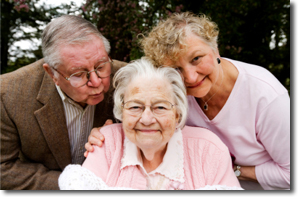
[48, 69]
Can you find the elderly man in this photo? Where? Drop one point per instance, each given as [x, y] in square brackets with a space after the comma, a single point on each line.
[48, 108]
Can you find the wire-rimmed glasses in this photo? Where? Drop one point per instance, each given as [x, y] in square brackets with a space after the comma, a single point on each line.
[158, 108]
[81, 78]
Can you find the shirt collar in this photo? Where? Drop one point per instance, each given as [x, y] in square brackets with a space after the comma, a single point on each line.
[61, 94]
[172, 164]
[67, 99]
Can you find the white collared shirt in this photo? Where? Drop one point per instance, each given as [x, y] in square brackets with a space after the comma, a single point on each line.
[79, 122]
[171, 168]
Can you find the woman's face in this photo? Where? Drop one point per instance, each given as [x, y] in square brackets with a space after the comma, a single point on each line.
[198, 66]
[149, 131]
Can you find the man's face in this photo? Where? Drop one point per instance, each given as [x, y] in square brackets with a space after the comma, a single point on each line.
[83, 57]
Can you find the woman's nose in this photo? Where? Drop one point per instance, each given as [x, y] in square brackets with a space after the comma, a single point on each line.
[147, 117]
[190, 76]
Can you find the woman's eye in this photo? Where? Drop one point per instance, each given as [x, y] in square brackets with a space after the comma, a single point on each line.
[159, 108]
[135, 108]
[196, 59]
[178, 69]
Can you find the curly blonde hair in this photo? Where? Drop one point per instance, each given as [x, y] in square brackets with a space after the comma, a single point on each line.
[167, 40]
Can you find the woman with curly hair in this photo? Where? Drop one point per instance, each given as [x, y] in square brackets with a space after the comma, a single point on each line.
[244, 104]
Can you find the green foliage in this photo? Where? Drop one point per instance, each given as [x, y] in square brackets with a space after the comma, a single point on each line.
[247, 27]
[121, 21]
[24, 20]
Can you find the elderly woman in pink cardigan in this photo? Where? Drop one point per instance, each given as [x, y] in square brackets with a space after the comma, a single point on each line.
[152, 149]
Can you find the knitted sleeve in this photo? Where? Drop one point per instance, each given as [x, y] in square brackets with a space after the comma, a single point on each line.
[102, 160]
[207, 159]
[219, 187]
[219, 167]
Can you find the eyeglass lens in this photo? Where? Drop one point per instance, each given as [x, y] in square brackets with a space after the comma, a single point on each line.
[157, 108]
[79, 79]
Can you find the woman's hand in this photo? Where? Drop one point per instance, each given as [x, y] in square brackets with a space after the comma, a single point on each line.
[247, 173]
[95, 138]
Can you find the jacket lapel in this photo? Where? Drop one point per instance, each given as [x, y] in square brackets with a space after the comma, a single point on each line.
[51, 118]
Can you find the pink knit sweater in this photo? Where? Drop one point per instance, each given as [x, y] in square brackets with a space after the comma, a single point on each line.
[206, 160]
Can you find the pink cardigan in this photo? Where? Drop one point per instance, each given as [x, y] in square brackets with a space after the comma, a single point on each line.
[206, 160]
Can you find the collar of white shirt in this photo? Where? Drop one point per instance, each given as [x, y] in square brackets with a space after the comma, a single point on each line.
[63, 96]
[172, 164]
[67, 99]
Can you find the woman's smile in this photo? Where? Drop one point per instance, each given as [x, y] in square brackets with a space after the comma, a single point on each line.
[197, 84]
[148, 131]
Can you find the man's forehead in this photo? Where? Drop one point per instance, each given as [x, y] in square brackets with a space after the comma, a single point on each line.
[74, 56]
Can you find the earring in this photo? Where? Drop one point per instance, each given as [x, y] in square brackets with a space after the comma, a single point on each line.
[219, 61]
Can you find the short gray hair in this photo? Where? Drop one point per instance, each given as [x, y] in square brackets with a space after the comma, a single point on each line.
[144, 68]
[64, 30]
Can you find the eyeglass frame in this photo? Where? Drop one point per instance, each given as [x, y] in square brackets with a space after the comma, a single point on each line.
[150, 106]
[87, 74]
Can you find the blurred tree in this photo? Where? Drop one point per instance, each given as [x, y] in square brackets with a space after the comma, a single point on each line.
[120, 21]
[24, 20]
[252, 31]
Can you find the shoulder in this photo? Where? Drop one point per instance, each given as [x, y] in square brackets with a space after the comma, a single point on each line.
[26, 70]
[113, 143]
[113, 129]
[201, 135]
[23, 77]
[118, 64]
[259, 77]
[113, 133]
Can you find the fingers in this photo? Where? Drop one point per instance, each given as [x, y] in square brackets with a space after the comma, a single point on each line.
[100, 136]
[95, 135]
[89, 147]
[95, 138]
[108, 122]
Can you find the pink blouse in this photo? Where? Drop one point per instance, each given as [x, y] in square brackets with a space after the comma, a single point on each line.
[200, 159]
[255, 125]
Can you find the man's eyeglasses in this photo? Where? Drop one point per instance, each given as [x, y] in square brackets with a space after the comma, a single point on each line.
[158, 108]
[81, 78]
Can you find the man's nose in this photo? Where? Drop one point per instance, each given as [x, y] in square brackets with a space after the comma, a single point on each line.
[94, 80]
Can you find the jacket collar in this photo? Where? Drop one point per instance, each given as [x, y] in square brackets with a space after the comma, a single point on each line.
[51, 119]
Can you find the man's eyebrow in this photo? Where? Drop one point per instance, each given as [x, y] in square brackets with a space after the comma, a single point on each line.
[104, 59]
[77, 68]
[83, 68]
[99, 62]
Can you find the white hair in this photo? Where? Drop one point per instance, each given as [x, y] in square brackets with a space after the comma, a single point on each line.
[144, 68]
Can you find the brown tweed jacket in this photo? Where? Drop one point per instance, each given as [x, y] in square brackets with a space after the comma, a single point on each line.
[35, 146]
